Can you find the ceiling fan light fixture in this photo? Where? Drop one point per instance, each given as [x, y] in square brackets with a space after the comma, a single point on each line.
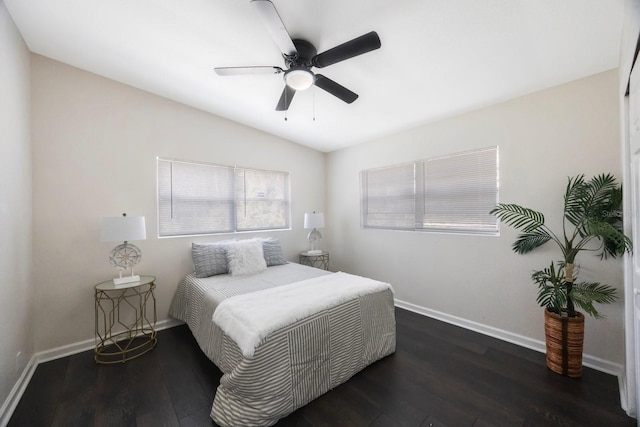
[299, 79]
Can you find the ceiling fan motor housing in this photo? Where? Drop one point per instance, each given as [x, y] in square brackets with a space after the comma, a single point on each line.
[306, 51]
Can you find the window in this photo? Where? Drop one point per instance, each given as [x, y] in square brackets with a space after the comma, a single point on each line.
[196, 198]
[454, 193]
[389, 197]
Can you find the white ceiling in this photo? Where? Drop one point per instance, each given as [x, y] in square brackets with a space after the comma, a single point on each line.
[438, 57]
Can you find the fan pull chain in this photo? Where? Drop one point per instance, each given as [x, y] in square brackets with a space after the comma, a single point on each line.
[314, 103]
[285, 103]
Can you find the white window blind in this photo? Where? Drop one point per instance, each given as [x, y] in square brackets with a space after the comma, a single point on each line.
[196, 198]
[262, 200]
[460, 190]
[389, 197]
[454, 193]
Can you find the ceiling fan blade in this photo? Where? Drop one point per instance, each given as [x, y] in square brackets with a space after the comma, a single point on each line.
[355, 47]
[237, 71]
[335, 89]
[285, 98]
[271, 19]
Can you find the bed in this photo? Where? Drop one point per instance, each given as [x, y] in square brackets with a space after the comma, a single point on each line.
[283, 335]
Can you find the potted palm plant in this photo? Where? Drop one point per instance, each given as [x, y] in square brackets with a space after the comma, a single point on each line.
[592, 222]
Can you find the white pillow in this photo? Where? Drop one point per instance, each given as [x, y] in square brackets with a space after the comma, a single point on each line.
[246, 257]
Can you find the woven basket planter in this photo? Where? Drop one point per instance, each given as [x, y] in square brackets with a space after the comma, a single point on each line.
[565, 338]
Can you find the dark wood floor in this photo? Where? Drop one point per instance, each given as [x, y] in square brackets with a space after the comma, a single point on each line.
[440, 375]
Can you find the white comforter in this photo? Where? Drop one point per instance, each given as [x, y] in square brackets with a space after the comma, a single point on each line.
[249, 318]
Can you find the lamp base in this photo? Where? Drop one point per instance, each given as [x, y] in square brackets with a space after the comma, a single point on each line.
[314, 237]
[125, 280]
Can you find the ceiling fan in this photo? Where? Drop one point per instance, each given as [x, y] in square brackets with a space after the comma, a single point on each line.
[300, 56]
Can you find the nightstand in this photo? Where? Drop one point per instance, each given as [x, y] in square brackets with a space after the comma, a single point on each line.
[125, 320]
[320, 260]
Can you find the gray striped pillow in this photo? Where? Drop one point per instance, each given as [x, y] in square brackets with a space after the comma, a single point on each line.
[272, 252]
[210, 259]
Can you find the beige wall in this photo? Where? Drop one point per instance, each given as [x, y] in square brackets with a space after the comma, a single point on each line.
[95, 144]
[477, 280]
[16, 283]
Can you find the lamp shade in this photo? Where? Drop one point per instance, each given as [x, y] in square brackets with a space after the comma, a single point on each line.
[123, 229]
[313, 220]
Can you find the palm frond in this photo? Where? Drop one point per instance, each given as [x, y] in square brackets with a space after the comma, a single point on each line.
[616, 202]
[574, 197]
[584, 295]
[518, 217]
[551, 289]
[599, 190]
[610, 208]
[613, 241]
[527, 242]
[549, 298]
[590, 199]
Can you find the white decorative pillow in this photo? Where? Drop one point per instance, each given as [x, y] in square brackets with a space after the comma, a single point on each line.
[246, 257]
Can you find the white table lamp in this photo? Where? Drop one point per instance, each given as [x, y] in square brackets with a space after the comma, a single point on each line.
[315, 221]
[126, 255]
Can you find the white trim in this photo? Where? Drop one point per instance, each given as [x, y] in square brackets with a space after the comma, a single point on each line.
[628, 387]
[79, 347]
[532, 344]
[12, 400]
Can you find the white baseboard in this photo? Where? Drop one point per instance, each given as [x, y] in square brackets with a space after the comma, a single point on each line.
[11, 402]
[537, 345]
[79, 347]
